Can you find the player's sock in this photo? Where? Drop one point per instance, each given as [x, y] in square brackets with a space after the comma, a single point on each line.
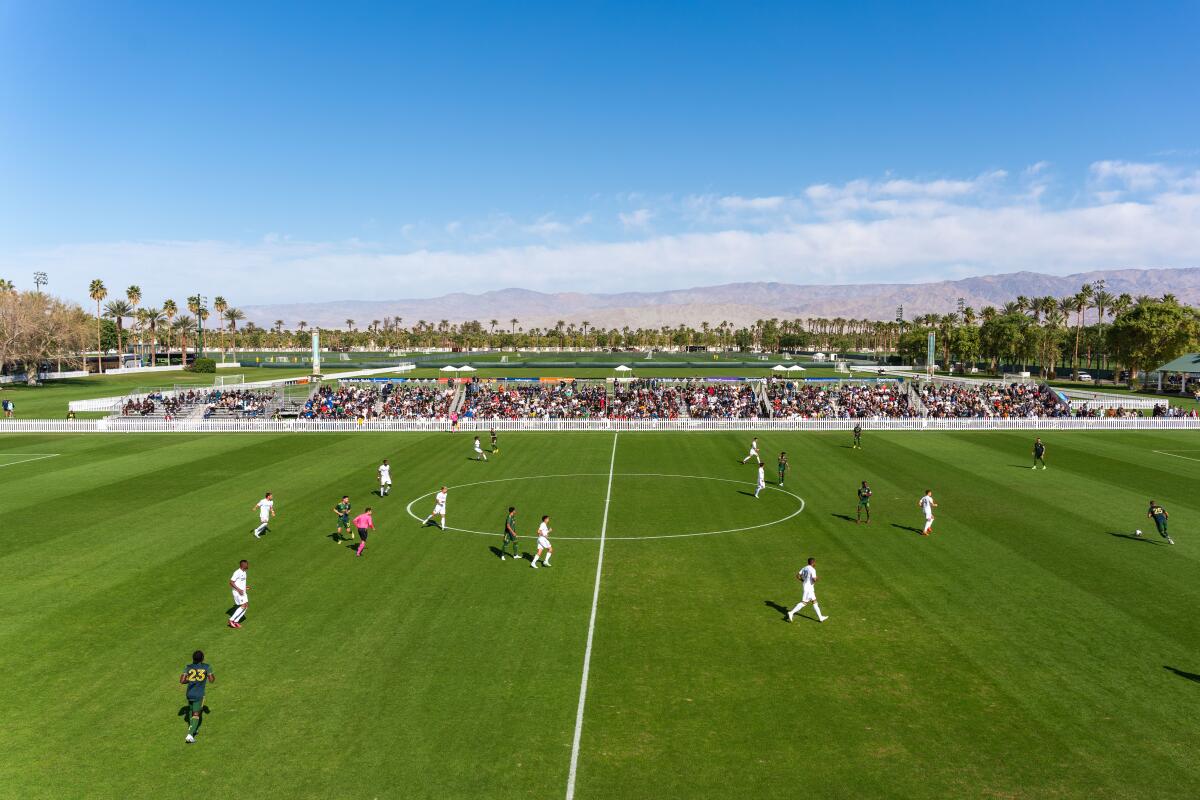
[796, 609]
[238, 613]
[817, 608]
[546, 561]
[443, 523]
[361, 546]
[426, 522]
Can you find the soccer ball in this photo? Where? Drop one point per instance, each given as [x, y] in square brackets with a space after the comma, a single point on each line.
[1137, 533]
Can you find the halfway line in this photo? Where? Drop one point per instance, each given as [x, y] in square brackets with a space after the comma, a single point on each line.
[587, 651]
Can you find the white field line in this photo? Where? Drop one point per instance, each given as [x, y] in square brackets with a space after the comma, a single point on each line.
[25, 458]
[1175, 454]
[587, 651]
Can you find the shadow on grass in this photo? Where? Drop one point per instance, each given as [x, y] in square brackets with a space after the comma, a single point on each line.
[909, 528]
[185, 713]
[1132, 537]
[1021, 466]
[748, 494]
[777, 607]
[497, 552]
[846, 517]
[1191, 676]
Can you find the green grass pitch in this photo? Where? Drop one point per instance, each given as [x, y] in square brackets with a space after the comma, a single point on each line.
[1030, 648]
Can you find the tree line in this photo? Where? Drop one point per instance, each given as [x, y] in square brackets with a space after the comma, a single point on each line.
[1091, 329]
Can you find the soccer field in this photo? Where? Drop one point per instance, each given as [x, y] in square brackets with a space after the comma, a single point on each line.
[1030, 648]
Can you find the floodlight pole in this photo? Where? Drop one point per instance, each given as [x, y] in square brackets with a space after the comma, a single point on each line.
[40, 280]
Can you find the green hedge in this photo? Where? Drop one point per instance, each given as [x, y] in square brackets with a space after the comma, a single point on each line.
[203, 365]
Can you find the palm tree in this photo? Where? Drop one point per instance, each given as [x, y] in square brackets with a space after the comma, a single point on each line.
[278, 326]
[151, 319]
[302, 325]
[97, 292]
[169, 310]
[117, 310]
[6, 285]
[183, 326]
[219, 306]
[514, 322]
[349, 324]
[1079, 304]
[134, 295]
[233, 316]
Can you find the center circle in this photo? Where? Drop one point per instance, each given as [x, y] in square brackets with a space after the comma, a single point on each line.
[799, 508]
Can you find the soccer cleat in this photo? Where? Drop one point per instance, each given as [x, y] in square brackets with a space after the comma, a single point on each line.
[1034, 466]
[233, 624]
[789, 616]
[257, 535]
[1170, 540]
[190, 739]
[504, 558]
[534, 565]
[822, 619]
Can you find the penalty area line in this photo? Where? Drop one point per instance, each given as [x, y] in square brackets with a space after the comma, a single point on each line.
[587, 650]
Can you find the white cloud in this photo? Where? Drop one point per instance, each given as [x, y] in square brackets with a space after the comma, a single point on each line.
[636, 220]
[860, 231]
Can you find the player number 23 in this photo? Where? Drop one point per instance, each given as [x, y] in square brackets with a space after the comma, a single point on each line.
[196, 675]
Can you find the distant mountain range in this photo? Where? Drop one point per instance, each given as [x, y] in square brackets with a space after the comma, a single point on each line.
[739, 303]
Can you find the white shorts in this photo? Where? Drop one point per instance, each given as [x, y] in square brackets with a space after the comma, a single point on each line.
[810, 594]
[264, 518]
[478, 449]
[929, 517]
[762, 484]
[439, 511]
[385, 481]
[239, 598]
[543, 543]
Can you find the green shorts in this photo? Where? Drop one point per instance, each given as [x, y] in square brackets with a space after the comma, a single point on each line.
[195, 706]
[864, 503]
[344, 522]
[508, 537]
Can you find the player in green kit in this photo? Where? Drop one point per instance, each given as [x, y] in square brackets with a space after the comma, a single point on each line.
[196, 676]
[783, 467]
[857, 436]
[495, 445]
[342, 510]
[1159, 515]
[1039, 453]
[864, 503]
[510, 536]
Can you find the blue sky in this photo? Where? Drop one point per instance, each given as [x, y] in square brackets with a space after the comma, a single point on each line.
[296, 151]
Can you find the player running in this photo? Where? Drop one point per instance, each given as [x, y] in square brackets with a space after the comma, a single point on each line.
[266, 510]
[543, 542]
[479, 454]
[782, 467]
[1039, 453]
[857, 437]
[342, 510]
[864, 503]
[364, 523]
[762, 480]
[439, 507]
[1159, 515]
[927, 505]
[196, 676]
[385, 478]
[241, 598]
[753, 451]
[510, 535]
[495, 444]
[808, 579]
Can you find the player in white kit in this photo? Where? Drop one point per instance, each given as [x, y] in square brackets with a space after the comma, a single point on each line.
[266, 510]
[237, 583]
[385, 478]
[439, 508]
[753, 452]
[762, 479]
[479, 454]
[543, 542]
[808, 579]
[927, 505]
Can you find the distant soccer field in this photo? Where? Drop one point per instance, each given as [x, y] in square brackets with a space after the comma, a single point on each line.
[1030, 648]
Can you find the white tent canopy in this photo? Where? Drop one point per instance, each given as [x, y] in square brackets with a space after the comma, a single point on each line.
[449, 368]
[779, 368]
[623, 368]
[795, 368]
[466, 368]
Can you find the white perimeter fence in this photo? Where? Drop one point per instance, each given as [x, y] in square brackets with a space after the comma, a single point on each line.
[139, 425]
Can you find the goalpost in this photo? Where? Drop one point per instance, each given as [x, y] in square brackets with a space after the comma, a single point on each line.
[228, 380]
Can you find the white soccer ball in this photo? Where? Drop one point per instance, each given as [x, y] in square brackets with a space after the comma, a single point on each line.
[1139, 533]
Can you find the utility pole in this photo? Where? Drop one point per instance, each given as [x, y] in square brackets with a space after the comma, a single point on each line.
[40, 280]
